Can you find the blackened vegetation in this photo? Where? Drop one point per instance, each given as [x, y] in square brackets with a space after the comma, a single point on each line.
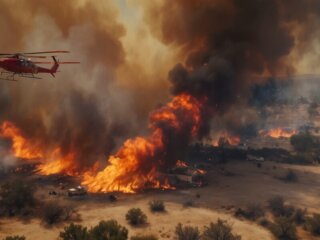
[210, 154]
[202, 154]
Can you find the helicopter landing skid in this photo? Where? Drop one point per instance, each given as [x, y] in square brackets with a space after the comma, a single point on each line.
[8, 76]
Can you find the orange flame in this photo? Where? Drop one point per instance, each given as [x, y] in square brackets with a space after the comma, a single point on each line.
[21, 147]
[181, 164]
[52, 162]
[55, 163]
[226, 138]
[135, 165]
[203, 172]
[278, 133]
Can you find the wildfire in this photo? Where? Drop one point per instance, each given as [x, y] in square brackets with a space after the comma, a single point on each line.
[136, 165]
[226, 139]
[21, 146]
[51, 161]
[56, 163]
[278, 133]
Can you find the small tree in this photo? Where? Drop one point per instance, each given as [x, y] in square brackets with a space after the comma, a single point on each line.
[16, 196]
[52, 213]
[74, 232]
[157, 206]
[108, 230]
[278, 208]
[135, 216]
[144, 237]
[15, 238]
[284, 229]
[218, 231]
[313, 224]
[187, 232]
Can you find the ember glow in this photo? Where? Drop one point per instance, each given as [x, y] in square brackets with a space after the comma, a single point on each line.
[226, 139]
[181, 164]
[278, 133]
[21, 147]
[137, 163]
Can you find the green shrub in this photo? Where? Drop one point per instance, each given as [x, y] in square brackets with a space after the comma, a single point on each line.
[278, 208]
[187, 232]
[15, 238]
[135, 216]
[144, 237]
[251, 212]
[105, 230]
[54, 213]
[74, 232]
[108, 230]
[219, 230]
[284, 229]
[313, 224]
[16, 196]
[157, 206]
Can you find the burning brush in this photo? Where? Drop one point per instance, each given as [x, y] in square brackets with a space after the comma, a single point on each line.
[139, 160]
[138, 163]
[278, 133]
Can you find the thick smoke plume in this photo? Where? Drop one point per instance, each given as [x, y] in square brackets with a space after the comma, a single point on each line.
[230, 45]
[225, 47]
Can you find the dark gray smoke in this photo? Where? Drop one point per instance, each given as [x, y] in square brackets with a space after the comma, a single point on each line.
[228, 44]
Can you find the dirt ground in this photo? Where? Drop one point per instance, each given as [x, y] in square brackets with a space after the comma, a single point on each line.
[233, 185]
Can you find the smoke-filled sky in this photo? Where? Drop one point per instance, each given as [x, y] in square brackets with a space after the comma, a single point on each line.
[135, 54]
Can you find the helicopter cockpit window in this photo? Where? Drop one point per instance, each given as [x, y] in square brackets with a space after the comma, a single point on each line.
[21, 62]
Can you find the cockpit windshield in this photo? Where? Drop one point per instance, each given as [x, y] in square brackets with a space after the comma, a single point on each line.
[26, 63]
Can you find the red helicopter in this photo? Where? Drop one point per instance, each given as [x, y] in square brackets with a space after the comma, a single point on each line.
[20, 64]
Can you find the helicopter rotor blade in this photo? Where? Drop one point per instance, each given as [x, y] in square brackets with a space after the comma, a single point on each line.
[27, 56]
[58, 62]
[46, 52]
